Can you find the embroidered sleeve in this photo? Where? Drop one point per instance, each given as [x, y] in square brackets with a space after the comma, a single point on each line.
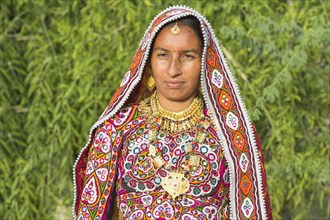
[100, 174]
[100, 177]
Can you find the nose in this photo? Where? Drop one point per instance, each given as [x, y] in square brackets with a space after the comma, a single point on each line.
[174, 68]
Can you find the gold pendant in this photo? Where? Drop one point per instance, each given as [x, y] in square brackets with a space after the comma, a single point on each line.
[194, 162]
[159, 161]
[175, 29]
[205, 124]
[175, 184]
[152, 150]
[201, 137]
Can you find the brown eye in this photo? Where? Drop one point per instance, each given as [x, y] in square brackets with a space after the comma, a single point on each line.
[188, 57]
[162, 55]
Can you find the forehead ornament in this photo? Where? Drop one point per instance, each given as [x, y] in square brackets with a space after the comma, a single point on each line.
[175, 29]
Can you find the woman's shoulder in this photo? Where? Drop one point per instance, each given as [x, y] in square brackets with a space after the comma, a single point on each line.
[125, 115]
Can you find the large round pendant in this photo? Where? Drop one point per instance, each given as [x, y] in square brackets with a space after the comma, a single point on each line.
[175, 184]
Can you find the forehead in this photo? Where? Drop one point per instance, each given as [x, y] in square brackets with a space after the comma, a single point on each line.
[186, 39]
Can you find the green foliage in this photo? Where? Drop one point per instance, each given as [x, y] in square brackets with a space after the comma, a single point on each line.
[61, 61]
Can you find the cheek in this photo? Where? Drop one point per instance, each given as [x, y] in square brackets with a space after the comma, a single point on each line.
[196, 81]
[157, 72]
[195, 71]
[154, 68]
[194, 78]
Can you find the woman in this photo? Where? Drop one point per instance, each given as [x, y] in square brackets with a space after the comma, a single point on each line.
[175, 141]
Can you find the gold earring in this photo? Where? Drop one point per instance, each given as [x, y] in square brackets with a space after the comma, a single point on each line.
[200, 89]
[151, 83]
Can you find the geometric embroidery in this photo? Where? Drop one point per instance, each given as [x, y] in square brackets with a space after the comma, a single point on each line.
[137, 214]
[243, 162]
[146, 41]
[225, 100]
[90, 193]
[232, 121]
[89, 168]
[138, 167]
[165, 209]
[247, 207]
[102, 142]
[217, 78]
[136, 60]
[102, 174]
[207, 37]
[175, 12]
[245, 184]
[146, 200]
[238, 140]
[211, 57]
[125, 79]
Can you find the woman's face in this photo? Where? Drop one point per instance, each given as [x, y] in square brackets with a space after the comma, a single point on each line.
[176, 65]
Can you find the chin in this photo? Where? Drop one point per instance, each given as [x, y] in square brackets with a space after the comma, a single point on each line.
[177, 97]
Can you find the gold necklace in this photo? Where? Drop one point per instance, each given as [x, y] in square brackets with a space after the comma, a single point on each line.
[177, 122]
[191, 119]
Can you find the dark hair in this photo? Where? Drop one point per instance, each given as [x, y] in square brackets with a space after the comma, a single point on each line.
[194, 24]
[189, 21]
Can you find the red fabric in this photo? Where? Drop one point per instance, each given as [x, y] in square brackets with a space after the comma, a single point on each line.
[80, 174]
[264, 181]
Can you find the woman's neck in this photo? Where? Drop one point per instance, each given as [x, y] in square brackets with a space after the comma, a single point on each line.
[175, 105]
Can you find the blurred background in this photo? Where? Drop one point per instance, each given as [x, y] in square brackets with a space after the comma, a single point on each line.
[61, 61]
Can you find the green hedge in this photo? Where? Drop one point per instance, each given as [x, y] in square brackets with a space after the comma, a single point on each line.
[61, 61]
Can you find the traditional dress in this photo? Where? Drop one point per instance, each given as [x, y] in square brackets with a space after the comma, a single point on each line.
[203, 163]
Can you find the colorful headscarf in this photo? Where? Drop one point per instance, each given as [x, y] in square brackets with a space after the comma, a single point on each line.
[248, 190]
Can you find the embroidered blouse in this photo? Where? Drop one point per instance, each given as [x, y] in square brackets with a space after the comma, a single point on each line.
[140, 194]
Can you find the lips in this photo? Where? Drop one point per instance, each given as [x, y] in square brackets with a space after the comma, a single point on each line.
[173, 84]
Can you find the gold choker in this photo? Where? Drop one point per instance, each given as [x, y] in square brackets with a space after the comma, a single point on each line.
[177, 122]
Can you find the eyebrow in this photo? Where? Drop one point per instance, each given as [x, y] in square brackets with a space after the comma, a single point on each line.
[184, 51]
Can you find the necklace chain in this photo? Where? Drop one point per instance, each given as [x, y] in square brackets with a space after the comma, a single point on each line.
[177, 122]
[161, 120]
[190, 120]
